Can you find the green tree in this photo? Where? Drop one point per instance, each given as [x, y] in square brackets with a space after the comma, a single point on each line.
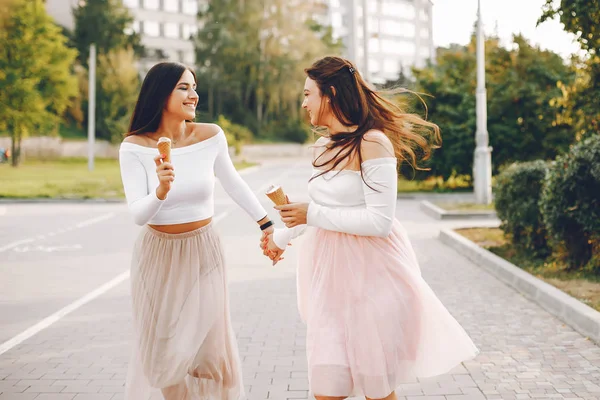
[119, 83]
[36, 82]
[250, 57]
[581, 17]
[107, 23]
[524, 94]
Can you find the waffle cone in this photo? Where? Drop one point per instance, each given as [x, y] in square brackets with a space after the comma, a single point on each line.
[277, 196]
[165, 148]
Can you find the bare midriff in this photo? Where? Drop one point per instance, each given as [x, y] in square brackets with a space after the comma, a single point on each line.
[182, 228]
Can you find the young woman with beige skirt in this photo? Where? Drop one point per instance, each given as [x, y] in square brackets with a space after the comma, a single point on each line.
[184, 346]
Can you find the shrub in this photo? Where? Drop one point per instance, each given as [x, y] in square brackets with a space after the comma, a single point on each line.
[237, 135]
[570, 205]
[287, 130]
[517, 195]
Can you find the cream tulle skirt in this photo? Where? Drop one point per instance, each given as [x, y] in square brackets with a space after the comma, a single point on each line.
[372, 321]
[184, 346]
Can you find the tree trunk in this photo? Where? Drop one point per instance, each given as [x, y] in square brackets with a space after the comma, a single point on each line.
[15, 149]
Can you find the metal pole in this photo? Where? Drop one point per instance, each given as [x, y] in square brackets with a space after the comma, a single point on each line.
[92, 106]
[365, 16]
[482, 163]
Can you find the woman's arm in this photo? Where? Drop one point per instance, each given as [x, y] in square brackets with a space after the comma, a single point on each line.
[143, 203]
[376, 218]
[380, 193]
[235, 186]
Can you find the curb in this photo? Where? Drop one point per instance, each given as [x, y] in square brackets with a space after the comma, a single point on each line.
[574, 313]
[439, 213]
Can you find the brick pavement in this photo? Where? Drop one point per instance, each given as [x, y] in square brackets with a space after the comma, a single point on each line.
[526, 352]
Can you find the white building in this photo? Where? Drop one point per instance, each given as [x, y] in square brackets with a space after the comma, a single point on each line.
[165, 26]
[399, 34]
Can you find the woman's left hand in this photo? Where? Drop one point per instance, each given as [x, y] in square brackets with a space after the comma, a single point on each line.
[293, 214]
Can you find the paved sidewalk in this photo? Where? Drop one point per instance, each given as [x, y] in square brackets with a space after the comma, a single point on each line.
[525, 352]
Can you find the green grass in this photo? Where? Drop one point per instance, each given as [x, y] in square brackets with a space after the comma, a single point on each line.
[435, 184]
[65, 179]
[579, 284]
[466, 206]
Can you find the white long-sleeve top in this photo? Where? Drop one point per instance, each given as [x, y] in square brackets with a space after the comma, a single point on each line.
[342, 202]
[191, 197]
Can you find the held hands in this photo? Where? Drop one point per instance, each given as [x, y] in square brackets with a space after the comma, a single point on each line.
[166, 176]
[269, 247]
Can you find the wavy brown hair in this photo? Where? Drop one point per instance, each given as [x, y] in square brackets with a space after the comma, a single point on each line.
[354, 103]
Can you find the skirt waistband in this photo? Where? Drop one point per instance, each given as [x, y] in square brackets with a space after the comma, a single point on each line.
[184, 235]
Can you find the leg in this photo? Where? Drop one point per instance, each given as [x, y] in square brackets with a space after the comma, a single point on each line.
[392, 396]
[329, 398]
[176, 392]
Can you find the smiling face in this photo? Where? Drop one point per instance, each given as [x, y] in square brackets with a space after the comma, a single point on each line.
[317, 106]
[184, 99]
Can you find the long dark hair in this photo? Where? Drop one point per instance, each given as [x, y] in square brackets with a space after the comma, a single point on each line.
[356, 104]
[158, 85]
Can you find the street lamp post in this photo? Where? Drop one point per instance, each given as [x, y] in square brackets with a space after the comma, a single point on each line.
[92, 107]
[365, 26]
[482, 163]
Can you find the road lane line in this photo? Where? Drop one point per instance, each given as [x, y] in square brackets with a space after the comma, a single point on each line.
[48, 321]
[81, 224]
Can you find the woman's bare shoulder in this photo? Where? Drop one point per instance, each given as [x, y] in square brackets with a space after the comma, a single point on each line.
[140, 140]
[203, 131]
[376, 144]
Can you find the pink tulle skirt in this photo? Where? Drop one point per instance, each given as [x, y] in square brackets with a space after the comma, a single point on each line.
[372, 321]
[184, 345]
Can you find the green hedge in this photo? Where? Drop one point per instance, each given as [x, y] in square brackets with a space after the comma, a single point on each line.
[570, 204]
[237, 135]
[517, 194]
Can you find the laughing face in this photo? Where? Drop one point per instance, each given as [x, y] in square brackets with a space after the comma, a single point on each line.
[184, 99]
[317, 106]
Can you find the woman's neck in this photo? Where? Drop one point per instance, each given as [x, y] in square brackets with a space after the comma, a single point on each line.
[173, 129]
[336, 127]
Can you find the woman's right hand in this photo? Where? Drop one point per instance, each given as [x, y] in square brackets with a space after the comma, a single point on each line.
[166, 176]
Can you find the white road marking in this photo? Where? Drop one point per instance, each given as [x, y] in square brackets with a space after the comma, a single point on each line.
[82, 224]
[2, 210]
[46, 322]
[15, 244]
[48, 249]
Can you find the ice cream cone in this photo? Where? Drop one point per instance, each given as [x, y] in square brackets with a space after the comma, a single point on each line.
[164, 147]
[275, 193]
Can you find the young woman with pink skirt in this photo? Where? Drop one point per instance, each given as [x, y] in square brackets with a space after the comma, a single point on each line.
[373, 323]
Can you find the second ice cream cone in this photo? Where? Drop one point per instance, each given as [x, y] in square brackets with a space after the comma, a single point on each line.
[277, 196]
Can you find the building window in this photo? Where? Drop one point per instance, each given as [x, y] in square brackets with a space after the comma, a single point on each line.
[171, 30]
[190, 7]
[398, 9]
[374, 66]
[372, 6]
[151, 28]
[189, 30]
[373, 45]
[134, 27]
[152, 4]
[171, 5]
[401, 47]
[131, 3]
[391, 66]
